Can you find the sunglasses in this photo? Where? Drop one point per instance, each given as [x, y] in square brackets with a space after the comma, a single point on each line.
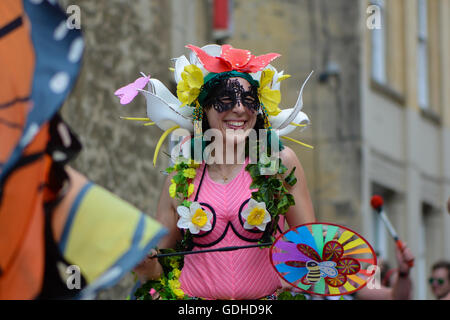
[439, 281]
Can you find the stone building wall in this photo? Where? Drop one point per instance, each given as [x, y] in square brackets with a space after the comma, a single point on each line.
[120, 41]
[123, 38]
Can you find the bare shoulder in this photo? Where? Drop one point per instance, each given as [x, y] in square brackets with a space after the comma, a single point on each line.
[289, 158]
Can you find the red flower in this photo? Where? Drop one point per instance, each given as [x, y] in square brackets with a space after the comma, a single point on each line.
[233, 60]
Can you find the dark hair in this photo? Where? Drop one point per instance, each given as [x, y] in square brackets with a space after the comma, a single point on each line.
[442, 264]
[213, 86]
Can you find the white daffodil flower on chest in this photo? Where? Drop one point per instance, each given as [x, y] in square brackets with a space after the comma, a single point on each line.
[194, 218]
[256, 215]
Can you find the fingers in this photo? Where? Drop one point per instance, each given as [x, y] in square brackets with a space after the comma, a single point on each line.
[405, 258]
[149, 268]
[152, 253]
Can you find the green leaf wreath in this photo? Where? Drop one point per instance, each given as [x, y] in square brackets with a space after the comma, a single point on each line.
[270, 189]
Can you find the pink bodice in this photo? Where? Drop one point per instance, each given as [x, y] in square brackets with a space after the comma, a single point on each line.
[239, 274]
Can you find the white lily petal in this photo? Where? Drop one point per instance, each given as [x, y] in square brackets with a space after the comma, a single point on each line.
[252, 203]
[159, 89]
[262, 226]
[183, 223]
[194, 207]
[247, 210]
[164, 115]
[209, 215]
[301, 118]
[183, 211]
[262, 205]
[207, 226]
[180, 64]
[248, 226]
[245, 213]
[298, 106]
[193, 228]
[267, 217]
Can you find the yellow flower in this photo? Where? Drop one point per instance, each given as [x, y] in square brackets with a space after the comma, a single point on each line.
[162, 281]
[199, 218]
[176, 273]
[189, 173]
[174, 264]
[173, 190]
[194, 218]
[269, 98]
[188, 88]
[191, 189]
[178, 293]
[174, 284]
[256, 216]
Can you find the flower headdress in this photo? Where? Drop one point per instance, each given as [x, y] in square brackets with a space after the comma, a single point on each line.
[193, 77]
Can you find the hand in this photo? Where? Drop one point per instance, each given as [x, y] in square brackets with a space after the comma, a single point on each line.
[404, 258]
[149, 268]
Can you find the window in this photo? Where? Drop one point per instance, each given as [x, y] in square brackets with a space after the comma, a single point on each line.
[388, 50]
[422, 55]
[379, 46]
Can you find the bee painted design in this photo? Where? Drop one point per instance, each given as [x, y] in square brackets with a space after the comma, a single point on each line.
[323, 269]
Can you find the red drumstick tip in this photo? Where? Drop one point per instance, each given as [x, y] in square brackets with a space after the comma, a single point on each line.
[376, 202]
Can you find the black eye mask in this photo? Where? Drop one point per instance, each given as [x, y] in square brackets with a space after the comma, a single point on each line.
[227, 94]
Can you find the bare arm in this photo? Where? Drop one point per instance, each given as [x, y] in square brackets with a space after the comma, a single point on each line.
[166, 214]
[402, 288]
[303, 211]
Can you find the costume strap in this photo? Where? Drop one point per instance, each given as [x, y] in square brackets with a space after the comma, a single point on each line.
[200, 183]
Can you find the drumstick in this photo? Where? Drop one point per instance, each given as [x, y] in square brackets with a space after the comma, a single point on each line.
[377, 205]
[183, 253]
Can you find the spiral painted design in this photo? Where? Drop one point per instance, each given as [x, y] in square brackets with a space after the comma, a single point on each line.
[348, 266]
[332, 250]
[308, 251]
[337, 281]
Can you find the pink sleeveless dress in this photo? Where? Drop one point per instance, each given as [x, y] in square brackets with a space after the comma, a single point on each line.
[239, 274]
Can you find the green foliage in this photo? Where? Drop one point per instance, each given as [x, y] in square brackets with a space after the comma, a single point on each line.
[167, 286]
[287, 295]
[185, 171]
[272, 191]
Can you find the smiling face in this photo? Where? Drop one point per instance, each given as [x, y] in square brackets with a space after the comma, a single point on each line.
[440, 284]
[233, 109]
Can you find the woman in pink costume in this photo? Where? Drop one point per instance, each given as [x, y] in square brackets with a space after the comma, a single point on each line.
[229, 92]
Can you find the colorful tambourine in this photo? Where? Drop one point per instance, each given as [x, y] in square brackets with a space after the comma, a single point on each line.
[323, 259]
